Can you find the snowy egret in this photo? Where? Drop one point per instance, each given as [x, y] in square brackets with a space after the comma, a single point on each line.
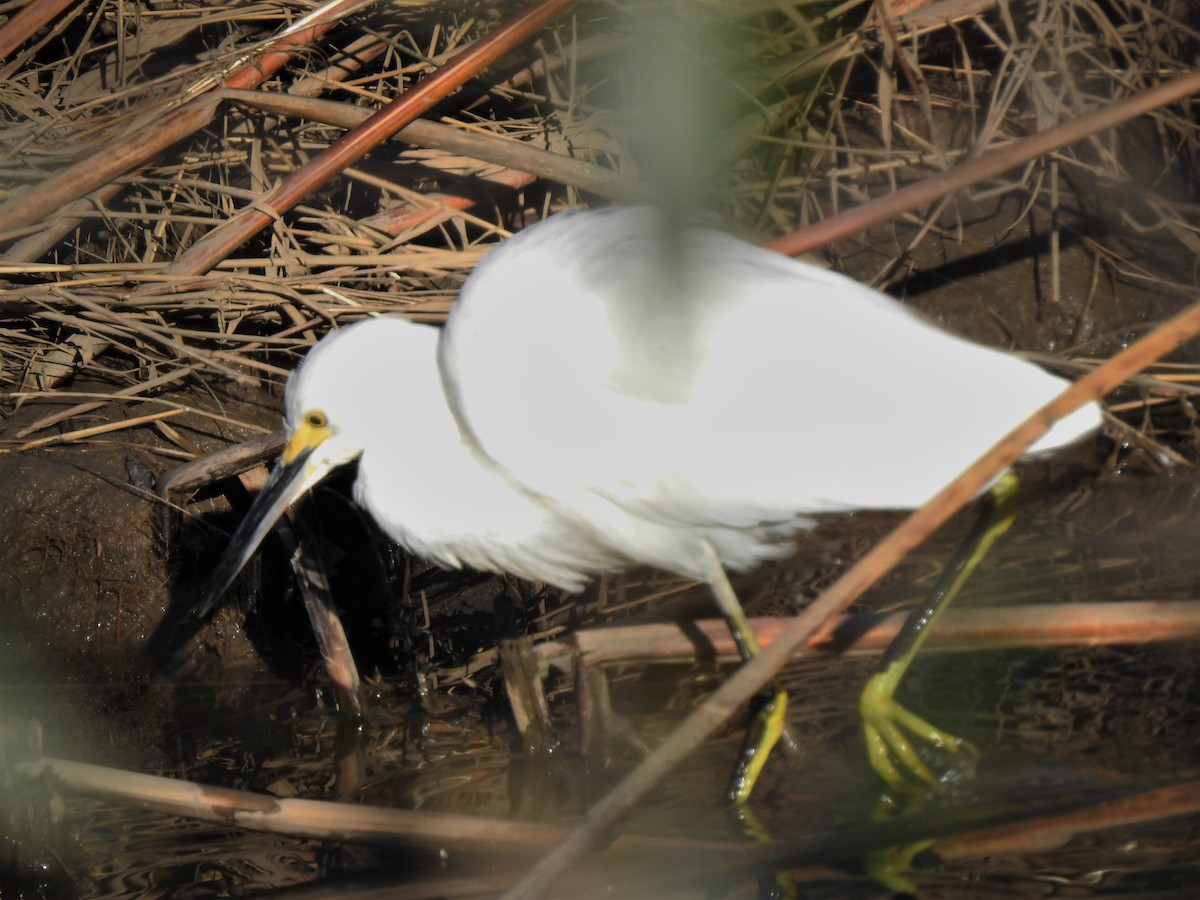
[609, 391]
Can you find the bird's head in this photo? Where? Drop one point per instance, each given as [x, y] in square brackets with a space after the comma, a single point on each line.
[333, 407]
[332, 401]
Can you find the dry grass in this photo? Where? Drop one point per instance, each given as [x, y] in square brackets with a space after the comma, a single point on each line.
[806, 109]
[820, 107]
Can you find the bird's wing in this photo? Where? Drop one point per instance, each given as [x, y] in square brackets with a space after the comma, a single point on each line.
[705, 381]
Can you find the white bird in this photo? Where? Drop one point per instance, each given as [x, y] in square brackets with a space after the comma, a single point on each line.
[608, 392]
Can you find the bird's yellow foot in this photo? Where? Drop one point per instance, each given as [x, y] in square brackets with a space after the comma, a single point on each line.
[777, 885]
[901, 745]
[766, 728]
[889, 866]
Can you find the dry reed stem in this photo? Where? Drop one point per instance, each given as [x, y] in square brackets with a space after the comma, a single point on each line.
[146, 143]
[1035, 827]
[1052, 831]
[1017, 626]
[317, 819]
[500, 150]
[1019, 827]
[82, 434]
[26, 22]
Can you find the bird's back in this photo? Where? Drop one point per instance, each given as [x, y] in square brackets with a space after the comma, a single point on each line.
[697, 382]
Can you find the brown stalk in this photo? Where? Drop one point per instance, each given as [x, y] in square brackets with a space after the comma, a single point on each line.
[995, 628]
[317, 819]
[83, 433]
[25, 23]
[132, 390]
[436, 135]
[1049, 832]
[144, 145]
[1027, 825]
[41, 242]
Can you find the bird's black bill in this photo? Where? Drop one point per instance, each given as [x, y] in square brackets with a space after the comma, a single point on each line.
[284, 487]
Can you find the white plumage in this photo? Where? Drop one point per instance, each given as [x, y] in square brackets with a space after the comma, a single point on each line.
[608, 392]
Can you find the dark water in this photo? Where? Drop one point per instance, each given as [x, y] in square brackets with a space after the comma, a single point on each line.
[1046, 722]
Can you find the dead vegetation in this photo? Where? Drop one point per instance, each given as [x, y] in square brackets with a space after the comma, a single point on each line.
[130, 131]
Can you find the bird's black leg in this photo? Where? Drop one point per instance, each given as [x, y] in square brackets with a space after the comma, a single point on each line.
[769, 723]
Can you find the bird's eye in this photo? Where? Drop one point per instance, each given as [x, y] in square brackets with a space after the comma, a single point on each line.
[314, 418]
